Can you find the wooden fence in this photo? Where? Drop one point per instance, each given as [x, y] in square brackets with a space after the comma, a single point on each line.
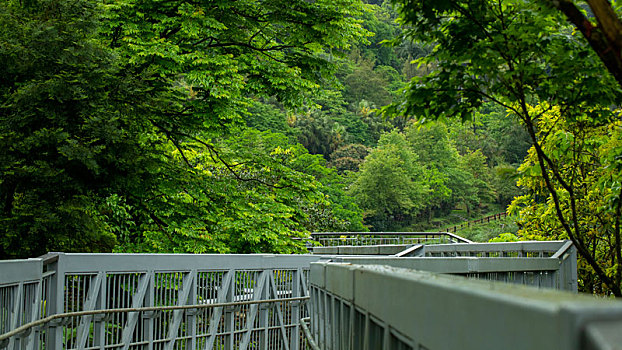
[487, 219]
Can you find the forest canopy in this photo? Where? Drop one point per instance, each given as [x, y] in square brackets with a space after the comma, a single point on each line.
[550, 65]
[243, 126]
[122, 125]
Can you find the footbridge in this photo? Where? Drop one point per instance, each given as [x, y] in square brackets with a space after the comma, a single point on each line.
[352, 291]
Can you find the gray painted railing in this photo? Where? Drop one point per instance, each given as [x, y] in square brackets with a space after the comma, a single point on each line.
[525, 249]
[328, 239]
[174, 301]
[368, 307]
[22, 283]
[89, 282]
[550, 264]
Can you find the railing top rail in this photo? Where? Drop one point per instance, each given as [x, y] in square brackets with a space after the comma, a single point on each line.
[549, 246]
[460, 265]
[419, 234]
[120, 262]
[16, 271]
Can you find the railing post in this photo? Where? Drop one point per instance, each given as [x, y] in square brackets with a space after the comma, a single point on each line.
[148, 321]
[569, 270]
[229, 316]
[31, 340]
[294, 342]
[99, 322]
[16, 313]
[192, 318]
[56, 301]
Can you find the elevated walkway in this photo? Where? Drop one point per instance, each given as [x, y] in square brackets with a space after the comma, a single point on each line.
[420, 297]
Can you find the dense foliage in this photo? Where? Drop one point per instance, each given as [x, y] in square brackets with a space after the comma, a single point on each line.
[525, 58]
[174, 126]
[122, 125]
[242, 126]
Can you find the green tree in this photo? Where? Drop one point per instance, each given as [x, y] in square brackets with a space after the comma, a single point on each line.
[590, 156]
[266, 114]
[365, 83]
[253, 193]
[319, 133]
[65, 141]
[448, 175]
[498, 136]
[390, 185]
[376, 124]
[512, 53]
[479, 183]
[380, 20]
[505, 186]
[349, 157]
[113, 113]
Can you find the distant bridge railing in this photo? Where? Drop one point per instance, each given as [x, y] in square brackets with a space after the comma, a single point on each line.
[329, 239]
[523, 249]
[368, 307]
[551, 264]
[548, 264]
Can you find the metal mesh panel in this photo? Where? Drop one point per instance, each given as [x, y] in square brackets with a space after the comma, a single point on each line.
[210, 290]
[7, 304]
[359, 329]
[166, 288]
[396, 343]
[376, 335]
[368, 239]
[19, 304]
[76, 288]
[119, 292]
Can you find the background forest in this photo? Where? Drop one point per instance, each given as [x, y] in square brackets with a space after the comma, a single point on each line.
[242, 126]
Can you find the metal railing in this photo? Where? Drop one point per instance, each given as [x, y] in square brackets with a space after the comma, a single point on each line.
[525, 249]
[550, 264]
[368, 307]
[329, 239]
[157, 301]
[175, 301]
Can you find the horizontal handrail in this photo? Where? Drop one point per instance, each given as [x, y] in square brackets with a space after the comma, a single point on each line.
[531, 246]
[51, 318]
[20, 271]
[457, 265]
[92, 263]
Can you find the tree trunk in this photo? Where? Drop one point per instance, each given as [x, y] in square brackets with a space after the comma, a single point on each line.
[604, 38]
